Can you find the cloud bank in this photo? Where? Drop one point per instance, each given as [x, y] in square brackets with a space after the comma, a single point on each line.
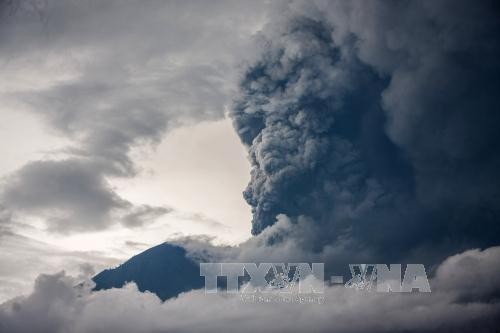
[56, 305]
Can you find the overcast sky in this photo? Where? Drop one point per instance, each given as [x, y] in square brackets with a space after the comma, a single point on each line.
[326, 131]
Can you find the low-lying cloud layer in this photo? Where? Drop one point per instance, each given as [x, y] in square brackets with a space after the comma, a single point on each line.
[60, 304]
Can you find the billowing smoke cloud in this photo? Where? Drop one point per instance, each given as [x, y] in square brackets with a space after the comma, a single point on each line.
[379, 121]
[57, 306]
[286, 115]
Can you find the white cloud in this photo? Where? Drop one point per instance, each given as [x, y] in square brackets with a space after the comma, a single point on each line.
[56, 305]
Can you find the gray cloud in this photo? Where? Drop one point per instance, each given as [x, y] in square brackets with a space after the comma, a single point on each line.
[69, 193]
[470, 273]
[144, 214]
[56, 305]
[117, 76]
[72, 196]
[136, 245]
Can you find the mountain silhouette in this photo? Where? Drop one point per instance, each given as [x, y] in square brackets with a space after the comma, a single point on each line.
[164, 270]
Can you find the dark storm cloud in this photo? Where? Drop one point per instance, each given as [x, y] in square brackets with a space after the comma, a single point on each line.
[380, 122]
[56, 305]
[441, 102]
